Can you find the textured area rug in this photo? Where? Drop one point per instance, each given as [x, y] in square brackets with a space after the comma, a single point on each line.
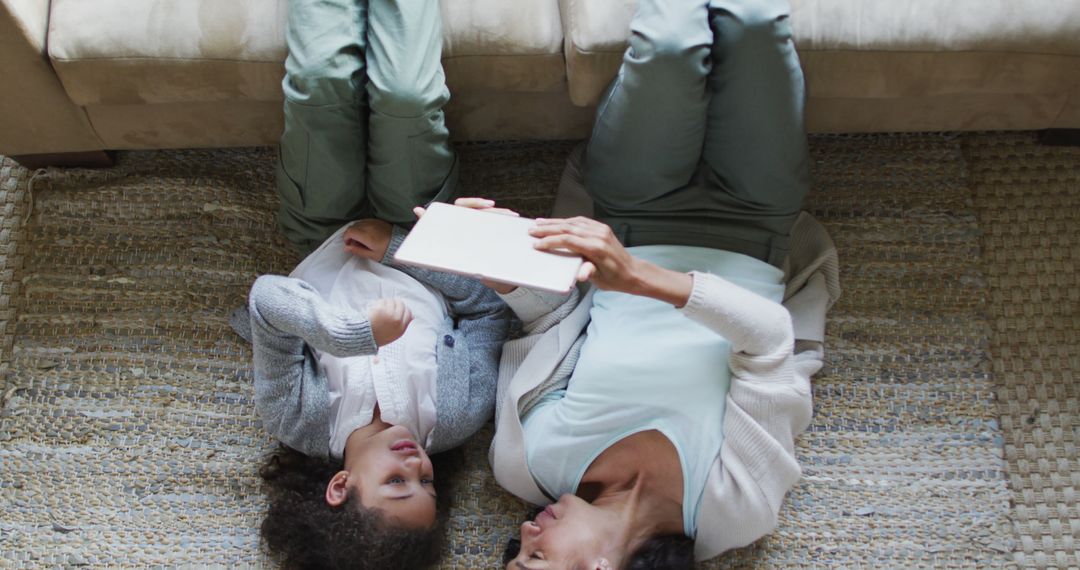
[1028, 199]
[902, 464]
[128, 434]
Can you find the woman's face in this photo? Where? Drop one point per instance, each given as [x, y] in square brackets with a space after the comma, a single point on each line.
[392, 473]
[569, 534]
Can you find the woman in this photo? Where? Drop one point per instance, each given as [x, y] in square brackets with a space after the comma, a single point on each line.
[364, 367]
[659, 407]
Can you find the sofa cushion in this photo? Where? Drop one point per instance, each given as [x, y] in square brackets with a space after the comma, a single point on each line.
[860, 49]
[172, 51]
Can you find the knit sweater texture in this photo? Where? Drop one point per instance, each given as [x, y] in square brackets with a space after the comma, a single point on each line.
[291, 394]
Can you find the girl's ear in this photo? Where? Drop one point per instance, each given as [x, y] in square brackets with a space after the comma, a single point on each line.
[336, 490]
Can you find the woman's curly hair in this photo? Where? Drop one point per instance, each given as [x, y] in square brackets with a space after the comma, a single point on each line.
[303, 532]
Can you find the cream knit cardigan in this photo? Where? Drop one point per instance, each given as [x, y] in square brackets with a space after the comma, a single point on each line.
[775, 350]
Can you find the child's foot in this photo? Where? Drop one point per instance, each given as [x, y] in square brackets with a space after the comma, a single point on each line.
[389, 318]
[240, 321]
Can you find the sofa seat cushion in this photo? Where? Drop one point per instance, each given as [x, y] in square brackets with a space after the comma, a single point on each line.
[877, 49]
[191, 51]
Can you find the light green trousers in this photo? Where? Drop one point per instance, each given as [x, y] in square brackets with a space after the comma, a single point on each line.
[700, 139]
[364, 127]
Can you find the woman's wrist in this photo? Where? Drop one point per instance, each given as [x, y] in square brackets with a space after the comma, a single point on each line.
[662, 284]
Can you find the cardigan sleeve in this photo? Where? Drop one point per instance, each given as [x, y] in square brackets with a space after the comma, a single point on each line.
[539, 311]
[753, 324]
[287, 318]
[768, 406]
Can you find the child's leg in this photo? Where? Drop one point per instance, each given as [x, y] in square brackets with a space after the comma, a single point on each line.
[320, 176]
[410, 160]
[758, 165]
[650, 125]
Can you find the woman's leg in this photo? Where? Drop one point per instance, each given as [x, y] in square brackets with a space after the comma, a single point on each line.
[758, 165]
[320, 175]
[743, 189]
[410, 160]
[649, 128]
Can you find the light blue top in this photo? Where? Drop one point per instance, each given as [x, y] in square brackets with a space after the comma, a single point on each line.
[645, 366]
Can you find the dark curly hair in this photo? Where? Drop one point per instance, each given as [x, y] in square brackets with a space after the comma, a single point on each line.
[667, 552]
[303, 532]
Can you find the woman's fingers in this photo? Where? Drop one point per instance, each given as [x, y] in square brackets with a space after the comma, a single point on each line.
[586, 271]
[565, 227]
[578, 221]
[485, 205]
[583, 246]
[474, 202]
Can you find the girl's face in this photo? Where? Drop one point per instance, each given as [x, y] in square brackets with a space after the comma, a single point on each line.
[392, 473]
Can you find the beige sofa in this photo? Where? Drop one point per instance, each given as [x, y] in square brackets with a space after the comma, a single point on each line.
[85, 75]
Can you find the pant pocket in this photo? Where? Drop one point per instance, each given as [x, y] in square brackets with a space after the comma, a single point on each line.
[292, 168]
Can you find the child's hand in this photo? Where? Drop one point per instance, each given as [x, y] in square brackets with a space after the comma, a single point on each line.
[389, 318]
[368, 238]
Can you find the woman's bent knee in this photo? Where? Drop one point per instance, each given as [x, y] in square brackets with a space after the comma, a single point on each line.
[673, 55]
[336, 79]
[406, 101]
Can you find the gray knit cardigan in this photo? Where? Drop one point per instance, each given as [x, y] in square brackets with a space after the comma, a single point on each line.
[467, 354]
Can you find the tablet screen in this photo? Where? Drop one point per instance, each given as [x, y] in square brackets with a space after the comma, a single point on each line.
[486, 245]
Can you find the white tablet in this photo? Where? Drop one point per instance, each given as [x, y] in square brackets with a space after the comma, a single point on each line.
[486, 245]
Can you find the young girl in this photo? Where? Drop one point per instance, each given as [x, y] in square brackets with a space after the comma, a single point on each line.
[365, 368]
[362, 367]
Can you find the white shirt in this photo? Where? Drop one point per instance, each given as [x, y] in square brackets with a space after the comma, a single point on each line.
[401, 377]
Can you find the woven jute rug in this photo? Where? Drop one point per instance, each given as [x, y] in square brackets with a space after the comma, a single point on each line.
[1028, 199]
[128, 432]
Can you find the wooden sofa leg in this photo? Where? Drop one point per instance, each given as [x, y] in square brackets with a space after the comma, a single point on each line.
[89, 159]
[1060, 137]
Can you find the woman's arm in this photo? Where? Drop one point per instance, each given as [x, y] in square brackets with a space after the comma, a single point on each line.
[757, 464]
[768, 406]
[753, 324]
[608, 265]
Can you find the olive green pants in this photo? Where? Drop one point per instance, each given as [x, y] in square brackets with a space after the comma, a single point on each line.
[364, 128]
[700, 139]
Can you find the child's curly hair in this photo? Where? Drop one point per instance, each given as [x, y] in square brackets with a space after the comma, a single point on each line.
[303, 532]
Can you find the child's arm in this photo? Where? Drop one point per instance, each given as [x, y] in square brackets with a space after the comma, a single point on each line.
[286, 318]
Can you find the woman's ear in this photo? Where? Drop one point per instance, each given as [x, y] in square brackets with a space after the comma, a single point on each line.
[337, 491]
